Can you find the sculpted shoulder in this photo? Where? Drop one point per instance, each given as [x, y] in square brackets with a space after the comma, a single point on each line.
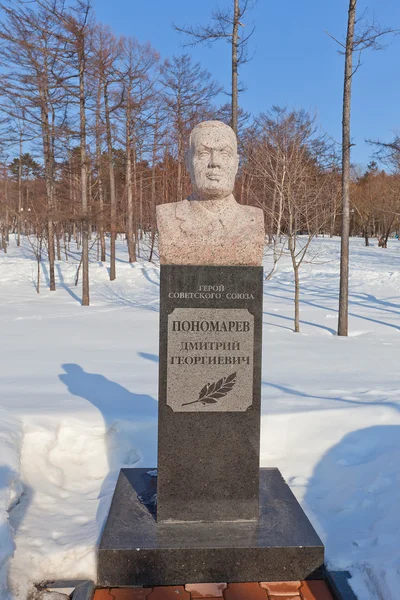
[165, 211]
[169, 212]
[253, 213]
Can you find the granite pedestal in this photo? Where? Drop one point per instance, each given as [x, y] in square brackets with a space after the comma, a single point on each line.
[209, 393]
[136, 550]
[208, 513]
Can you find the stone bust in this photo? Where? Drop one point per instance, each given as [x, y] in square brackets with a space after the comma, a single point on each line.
[210, 227]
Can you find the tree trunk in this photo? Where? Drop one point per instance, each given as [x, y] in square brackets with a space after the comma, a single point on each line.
[235, 41]
[130, 239]
[48, 156]
[271, 220]
[38, 259]
[153, 225]
[346, 143]
[135, 197]
[387, 233]
[19, 191]
[333, 222]
[292, 250]
[366, 236]
[140, 229]
[6, 223]
[99, 177]
[296, 300]
[84, 174]
[113, 203]
[58, 243]
[50, 243]
[179, 187]
[153, 239]
[49, 177]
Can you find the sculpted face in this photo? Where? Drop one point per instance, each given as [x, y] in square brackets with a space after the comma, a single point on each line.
[213, 161]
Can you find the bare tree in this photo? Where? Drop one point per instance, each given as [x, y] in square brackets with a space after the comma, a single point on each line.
[225, 24]
[29, 53]
[343, 322]
[6, 209]
[188, 92]
[355, 43]
[138, 81]
[98, 133]
[108, 53]
[288, 160]
[365, 193]
[74, 34]
[77, 28]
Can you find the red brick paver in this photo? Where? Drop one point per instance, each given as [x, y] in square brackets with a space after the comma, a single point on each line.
[123, 594]
[169, 592]
[282, 588]
[315, 590]
[102, 595]
[278, 590]
[245, 591]
[284, 597]
[206, 590]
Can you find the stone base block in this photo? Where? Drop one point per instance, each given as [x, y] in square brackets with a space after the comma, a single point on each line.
[135, 550]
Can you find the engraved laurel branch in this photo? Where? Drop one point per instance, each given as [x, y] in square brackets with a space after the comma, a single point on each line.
[211, 392]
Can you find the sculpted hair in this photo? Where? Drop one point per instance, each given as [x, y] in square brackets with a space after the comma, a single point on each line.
[212, 125]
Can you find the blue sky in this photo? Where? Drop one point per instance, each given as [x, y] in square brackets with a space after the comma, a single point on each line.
[295, 63]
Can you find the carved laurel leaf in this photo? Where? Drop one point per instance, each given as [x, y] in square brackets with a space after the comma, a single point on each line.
[218, 389]
[211, 388]
[204, 391]
[211, 392]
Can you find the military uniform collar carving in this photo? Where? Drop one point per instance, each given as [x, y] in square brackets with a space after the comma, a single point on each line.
[188, 210]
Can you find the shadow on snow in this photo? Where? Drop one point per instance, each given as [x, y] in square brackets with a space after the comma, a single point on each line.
[130, 424]
[353, 496]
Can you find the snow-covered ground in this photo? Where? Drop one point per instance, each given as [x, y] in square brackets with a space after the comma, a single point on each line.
[78, 399]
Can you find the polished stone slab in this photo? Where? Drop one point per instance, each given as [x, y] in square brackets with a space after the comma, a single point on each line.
[209, 393]
[135, 549]
[338, 582]
[85, 591]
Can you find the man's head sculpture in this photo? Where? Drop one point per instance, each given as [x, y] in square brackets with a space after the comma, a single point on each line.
[210, 227]
[212, 160]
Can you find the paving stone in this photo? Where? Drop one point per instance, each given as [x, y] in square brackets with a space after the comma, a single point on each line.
[129, 593]
[315, 590]
[102, 594]
[169, 592]
[122, 594]
[284, 597]
[281, 588]
[245, 591]
[206, 590]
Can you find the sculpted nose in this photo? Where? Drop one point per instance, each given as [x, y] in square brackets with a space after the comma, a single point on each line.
[214, 160]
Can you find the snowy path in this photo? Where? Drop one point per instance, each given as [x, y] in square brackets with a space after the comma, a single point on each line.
[79, 399]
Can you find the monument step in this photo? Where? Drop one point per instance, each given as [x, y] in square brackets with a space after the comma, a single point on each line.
[136, 550]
